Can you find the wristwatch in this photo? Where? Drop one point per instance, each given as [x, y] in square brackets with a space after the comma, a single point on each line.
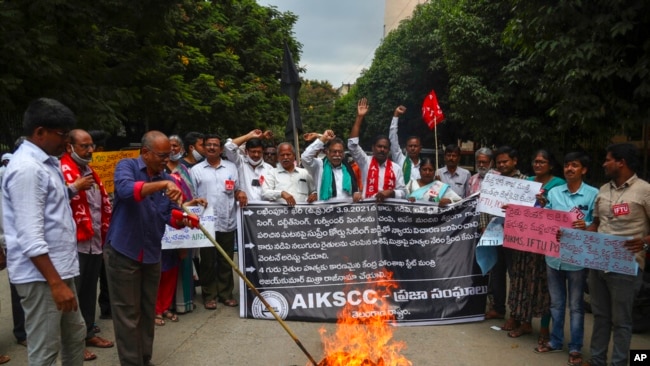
[646, 246]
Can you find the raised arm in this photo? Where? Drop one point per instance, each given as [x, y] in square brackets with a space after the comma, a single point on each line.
[253, 134]
[395, 149]
[362, 110]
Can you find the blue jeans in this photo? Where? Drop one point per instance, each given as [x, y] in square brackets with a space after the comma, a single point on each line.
[560, 284]
[612, 297]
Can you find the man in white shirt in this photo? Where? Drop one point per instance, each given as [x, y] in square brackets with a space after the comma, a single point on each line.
[451, 173]
[218, 181]
[410, 162]
[252, 168]
[292, 184]
[381, 177]
[335, 179]
[42, 238]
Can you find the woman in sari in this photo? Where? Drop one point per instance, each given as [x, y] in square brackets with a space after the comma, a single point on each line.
[426, 188]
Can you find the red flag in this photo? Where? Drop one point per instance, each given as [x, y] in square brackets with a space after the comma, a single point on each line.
[431, 111]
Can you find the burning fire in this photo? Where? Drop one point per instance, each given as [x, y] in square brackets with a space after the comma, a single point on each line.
[363, 334]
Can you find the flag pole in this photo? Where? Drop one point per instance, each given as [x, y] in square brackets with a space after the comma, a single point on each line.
[435, 133]
[295, 132]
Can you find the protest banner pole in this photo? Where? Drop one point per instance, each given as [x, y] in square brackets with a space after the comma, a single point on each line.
[255, 290]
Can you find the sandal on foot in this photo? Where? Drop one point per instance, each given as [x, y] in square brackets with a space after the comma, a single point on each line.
[4, 359]
[170, 316]
[230, 302]
[510, 324]
[543, 339]
[210, 304]
[89, 356]
[516, 333]
[159, 320]
[575, 359]
[546, 348]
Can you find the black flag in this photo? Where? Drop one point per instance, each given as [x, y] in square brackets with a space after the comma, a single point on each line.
[290, 84]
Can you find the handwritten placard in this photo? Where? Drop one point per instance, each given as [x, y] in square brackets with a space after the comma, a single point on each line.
[189, 238]
[498, 190]
[104, 164]
[532, 229]
[598, 251]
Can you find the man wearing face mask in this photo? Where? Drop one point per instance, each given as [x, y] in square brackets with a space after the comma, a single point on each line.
[194, 144]
[250, 161]
[91, 210]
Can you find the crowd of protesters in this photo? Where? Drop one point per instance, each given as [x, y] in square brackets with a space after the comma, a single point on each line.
[62, 229]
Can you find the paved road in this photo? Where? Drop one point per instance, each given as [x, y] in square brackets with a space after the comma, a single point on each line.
[220, 337]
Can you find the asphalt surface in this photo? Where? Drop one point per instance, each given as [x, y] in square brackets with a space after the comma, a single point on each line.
[220, 337]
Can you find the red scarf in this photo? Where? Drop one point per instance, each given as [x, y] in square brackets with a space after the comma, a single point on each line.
[372, 182]
[79, 203]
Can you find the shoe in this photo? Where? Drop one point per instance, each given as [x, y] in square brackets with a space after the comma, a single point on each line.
[230, 302]
[22, 343]
[210, 304]
[98, 342]
[493, 314]
[89, 356]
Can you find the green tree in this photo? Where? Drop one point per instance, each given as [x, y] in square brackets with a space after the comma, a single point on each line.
[317, 100]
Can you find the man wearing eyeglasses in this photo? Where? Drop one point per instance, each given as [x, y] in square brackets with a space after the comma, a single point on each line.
[146, 199]
[217, 180]
[41, 237]
[91, 210]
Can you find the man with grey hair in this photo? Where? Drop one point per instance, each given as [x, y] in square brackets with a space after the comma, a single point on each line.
[484, 162]
[288, 182]
[145, 200]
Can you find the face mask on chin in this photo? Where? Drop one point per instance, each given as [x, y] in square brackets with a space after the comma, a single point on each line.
[176, 157]
[198, 157]
[78, 159]
[253, 162]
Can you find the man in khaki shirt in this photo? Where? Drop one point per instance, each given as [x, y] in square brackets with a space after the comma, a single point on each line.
[622, 208]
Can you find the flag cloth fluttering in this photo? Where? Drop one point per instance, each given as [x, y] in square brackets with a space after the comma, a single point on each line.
[431, 111]
[290, 85]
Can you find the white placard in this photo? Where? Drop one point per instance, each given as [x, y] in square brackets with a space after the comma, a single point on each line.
[189, 238]
[499, 190]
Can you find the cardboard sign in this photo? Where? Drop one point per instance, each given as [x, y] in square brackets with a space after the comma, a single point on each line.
[532, 229]
[104, 164]
[190, 238]
[598, 251]
[498, 190]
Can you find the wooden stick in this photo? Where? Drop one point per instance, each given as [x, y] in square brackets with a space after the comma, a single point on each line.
[255, 290]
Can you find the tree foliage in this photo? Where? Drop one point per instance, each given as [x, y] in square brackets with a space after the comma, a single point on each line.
[128, 67]
[566, 74]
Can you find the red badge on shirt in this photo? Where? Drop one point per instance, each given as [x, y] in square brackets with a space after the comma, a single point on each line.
[230, 185]
[579, 214]
[261, 180]
[621, 209]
